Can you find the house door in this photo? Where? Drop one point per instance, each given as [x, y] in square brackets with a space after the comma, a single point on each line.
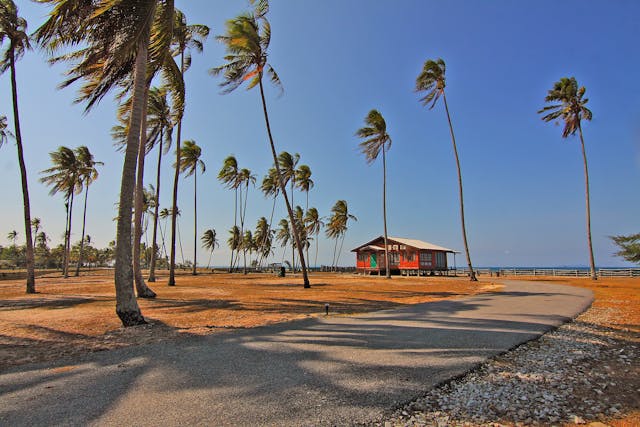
[374, 261]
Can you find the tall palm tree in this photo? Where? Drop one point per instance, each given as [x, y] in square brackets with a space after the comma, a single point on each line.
[87, 175]
[288, 164]
[569, 105]
[247, 40]
[245, 177]
[228, 175]
[160, 128]
[189, 163]
[248, 244]
[13, 236]
[271, 188]
[113, 49]
[263, 236]
[35, 226]
[283, 235]
[210, 242]
[432, 81]
[314, 223]
[338, 225]
[304, 183]
[185, 38]
[235, 238]
[64, 176]
[298, 213]
[376, 139]
[14, 29]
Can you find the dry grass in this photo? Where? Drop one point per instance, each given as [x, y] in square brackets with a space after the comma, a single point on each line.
[77, 315]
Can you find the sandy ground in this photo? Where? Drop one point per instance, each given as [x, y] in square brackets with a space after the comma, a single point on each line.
[77, 315]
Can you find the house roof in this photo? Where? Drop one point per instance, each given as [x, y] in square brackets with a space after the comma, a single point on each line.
[418, 244]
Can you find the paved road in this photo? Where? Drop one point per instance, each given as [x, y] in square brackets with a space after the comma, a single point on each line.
[328, 371]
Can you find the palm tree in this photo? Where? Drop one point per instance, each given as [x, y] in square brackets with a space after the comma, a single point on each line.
[247, 40]
[64, 176]
[248, 244]
[569, 105]
[338, 225]
[185, 38]
[245, 177]
[298, 213]
[376, 139]
[263, 236]
[228, 175]
[35, 225]
[271, 188]
[288, 164]
[4, 133]
[283, 235]
[189, 163]
[13, 236]
[113, 49]
[304, 183]
[432, 81]
[14, 29]
[235, 239]
[314, 223]
[160, 128]
[87, 175]
[210, 242]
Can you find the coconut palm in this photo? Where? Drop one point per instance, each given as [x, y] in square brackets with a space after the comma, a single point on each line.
[569, 105]
[64, 176]
[35, 227]
[235, 238]
[298, 214]
[376, 140]
[247, 40]
[87, 175]
[5, 134]
[189, 163]
[432, 81]
[228, 175]
[338, 225]
[114, 48]
[13, 28]
[288, 164]
[245, 177]
[304, 183]
[313, 223]
[283, 235]
[271, 188]
[210, 242]
[185, 38]
[248, 244]
[263, 236]
[13, 236]
[160, 128]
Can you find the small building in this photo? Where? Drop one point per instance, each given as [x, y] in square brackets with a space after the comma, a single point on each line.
[406, 256]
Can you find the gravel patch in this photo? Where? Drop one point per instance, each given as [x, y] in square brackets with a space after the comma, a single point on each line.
[580, 373]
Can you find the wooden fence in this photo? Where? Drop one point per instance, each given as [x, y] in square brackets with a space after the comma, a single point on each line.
[561, 272]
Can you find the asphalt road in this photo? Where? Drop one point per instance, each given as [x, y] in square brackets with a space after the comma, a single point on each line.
[321, 371]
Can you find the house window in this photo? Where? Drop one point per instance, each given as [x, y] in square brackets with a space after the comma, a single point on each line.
[362, 257]
[394, 258]
[441, 259]
[426, 258]
[408, 256]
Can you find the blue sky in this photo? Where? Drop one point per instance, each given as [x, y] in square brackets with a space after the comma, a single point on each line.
[524, 184]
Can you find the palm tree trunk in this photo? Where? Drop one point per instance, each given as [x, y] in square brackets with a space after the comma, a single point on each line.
[84, 221]
[335, 251]
[315, 262]
[592, 262]
[152, 267]
[284, 192]
[142, 289]
[66, 234]
[67, 248]
[235, 224]
[31, 281]
[127, 307]
[195, 221]
[293, 251]
[384, 212]
[472, 274]
[172, 262]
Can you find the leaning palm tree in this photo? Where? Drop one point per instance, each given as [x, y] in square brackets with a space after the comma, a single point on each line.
[64, 176]
[337, 227]
[113, 49]
[185, 38]
[569, 105]
[210, 242]
[160, 128]
[376, 139]
[228, 175]
[14, 29]
[87, 175]
[314, 223]
[432, 81]
[189, 163]
[247, 40]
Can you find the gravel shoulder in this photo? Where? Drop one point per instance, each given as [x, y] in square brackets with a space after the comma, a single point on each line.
[585, 372]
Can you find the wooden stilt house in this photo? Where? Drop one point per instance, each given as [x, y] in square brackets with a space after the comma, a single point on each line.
[406, 256]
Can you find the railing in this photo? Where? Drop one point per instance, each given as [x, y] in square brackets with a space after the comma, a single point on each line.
[560, 272]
